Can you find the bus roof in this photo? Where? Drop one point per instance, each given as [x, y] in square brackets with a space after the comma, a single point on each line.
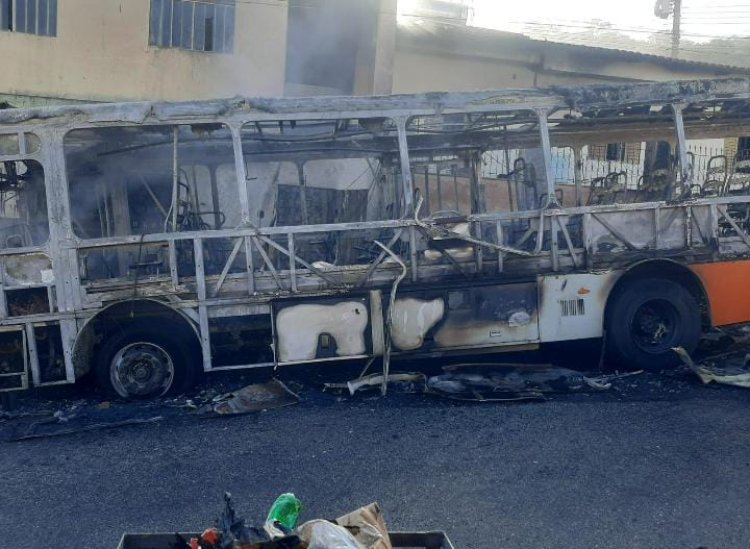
[594, 99]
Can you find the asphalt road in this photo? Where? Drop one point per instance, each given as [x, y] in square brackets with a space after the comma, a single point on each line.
[658, 463]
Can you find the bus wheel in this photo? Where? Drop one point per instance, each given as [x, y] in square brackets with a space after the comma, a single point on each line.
[140, 365]
[646, 318]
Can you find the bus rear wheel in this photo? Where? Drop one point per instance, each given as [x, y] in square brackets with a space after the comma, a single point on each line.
[648, 317]
[141, 365]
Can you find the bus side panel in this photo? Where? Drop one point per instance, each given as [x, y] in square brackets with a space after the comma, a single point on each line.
[726, 284]
[325, 328]
[572, 306]
[465, 318]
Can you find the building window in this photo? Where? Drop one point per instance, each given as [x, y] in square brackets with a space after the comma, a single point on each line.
[200, 25]
[616, 152]
[30, 16]
[743, 148]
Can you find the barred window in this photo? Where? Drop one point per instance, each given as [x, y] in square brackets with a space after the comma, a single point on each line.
[29, 16]
[616, 152]
[200, 25]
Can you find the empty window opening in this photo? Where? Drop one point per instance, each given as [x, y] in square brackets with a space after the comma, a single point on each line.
[11, 353]
[31, 301]
[49, 353]
[12, 360]
[241, 340]
[145, 180]
[23, 204]
[311, 172]
[152, 179]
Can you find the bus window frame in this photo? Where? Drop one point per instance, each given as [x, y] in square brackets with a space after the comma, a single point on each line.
[540, 114]
[398, 124]
[231, 126]
[677, 141]
[38, 156]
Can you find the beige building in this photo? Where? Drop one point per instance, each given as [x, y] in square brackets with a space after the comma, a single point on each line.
[113, 50]
[110, 50]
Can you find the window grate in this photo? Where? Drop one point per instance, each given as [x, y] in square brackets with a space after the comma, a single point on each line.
[29, 16]
[572, 307]
[198, 25]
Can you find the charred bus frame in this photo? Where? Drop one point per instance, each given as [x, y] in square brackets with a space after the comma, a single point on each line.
[278, 289]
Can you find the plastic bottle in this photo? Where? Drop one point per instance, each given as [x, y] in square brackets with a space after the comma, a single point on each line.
[285, 511]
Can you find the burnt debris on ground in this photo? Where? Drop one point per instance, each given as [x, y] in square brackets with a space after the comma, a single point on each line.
[485, 382]
[723, 358]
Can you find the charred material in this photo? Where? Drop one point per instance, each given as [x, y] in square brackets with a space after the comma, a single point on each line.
[248, 228]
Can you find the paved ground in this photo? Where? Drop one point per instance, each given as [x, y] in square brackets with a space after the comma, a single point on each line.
[658, 463]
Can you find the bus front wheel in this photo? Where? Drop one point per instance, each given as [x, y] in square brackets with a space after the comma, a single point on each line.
[646, 318]
[140, 365]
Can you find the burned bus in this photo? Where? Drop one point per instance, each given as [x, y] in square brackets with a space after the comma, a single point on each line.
[148, 243]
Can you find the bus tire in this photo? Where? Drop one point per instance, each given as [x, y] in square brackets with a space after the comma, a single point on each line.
[141, 364]
[646, 318]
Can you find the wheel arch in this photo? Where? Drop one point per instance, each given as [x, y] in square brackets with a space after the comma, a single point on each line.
[668, 269]
[123, 315]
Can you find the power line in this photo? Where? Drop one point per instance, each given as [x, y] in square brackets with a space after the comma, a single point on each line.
[735, 8]
[717, 12]
[589, 26]
[613, 29]
[717, 7]
[624, 44]
[720, 20]
[714, 48]
[618, 29]
[584, 26]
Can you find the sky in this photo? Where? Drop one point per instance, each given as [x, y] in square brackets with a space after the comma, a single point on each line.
[702, 20]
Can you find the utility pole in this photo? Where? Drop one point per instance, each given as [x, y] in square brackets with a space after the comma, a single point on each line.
[676, 13]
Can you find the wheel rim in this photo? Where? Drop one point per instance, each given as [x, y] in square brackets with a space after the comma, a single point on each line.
[141, 369]
[655, 325]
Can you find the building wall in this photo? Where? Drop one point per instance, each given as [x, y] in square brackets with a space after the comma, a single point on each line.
[101, 53]
[444, 58]
[417, 71]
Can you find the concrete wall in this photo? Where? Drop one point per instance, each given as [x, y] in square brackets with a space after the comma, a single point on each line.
[444, 58]
[101, 53]
[416, 71]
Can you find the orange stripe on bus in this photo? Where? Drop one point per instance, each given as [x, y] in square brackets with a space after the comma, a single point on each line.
[727, 284]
